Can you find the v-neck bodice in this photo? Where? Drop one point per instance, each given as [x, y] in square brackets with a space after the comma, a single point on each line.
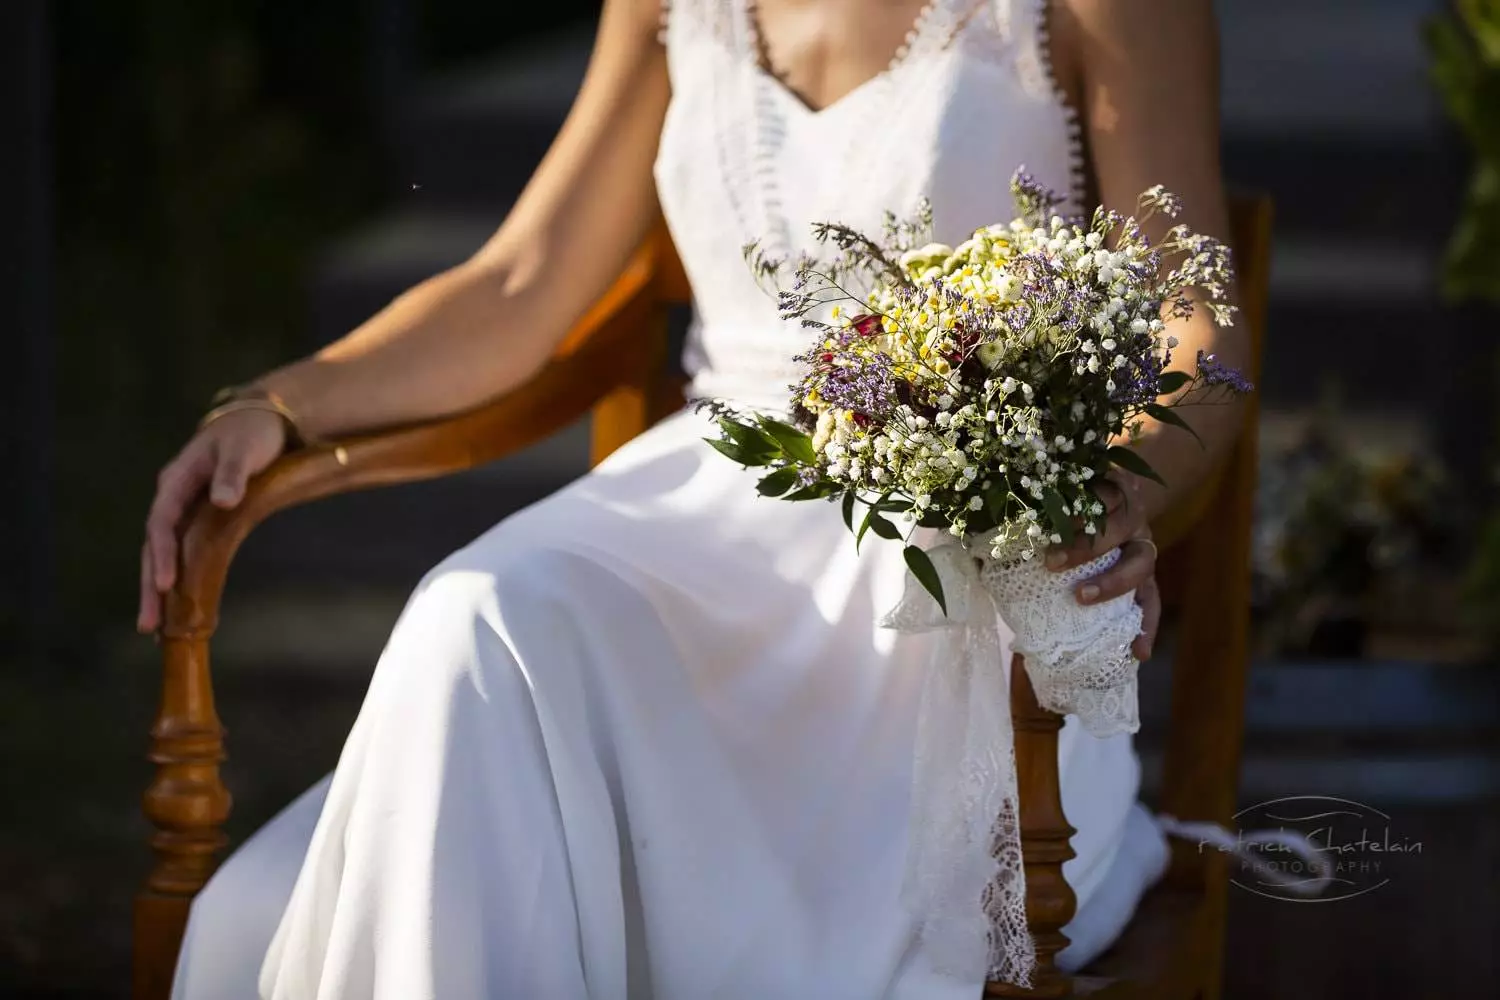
[968, 99]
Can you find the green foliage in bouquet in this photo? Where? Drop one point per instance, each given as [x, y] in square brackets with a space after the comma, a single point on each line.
[1465, 49]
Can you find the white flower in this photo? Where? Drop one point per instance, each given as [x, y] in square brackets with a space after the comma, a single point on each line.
[1108, 343]
[1139, 326]
[924, 501]
[945, 401]
[1172, 342]
[1034, 531]
[1089, 529]
[1056, 538]
[975, 503]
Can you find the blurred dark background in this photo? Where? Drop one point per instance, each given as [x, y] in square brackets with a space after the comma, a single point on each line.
[195, 192]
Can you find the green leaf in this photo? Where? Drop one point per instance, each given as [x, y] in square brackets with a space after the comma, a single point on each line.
[1171, 382]
[734, 451]
[821, 490]
[921, 567]
[1130, 461]
[778, 482]
[793, 443]
[848, 509]
[995, 499]
[755, 442]
[1057, 515]
[882, 525]
[1167, 415]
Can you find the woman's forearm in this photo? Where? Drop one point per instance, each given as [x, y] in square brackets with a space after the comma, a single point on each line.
[448, 344]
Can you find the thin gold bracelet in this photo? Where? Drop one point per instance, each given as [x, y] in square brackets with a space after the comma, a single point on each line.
[233, 400]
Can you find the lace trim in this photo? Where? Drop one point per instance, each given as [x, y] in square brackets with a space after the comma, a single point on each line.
[1042, 39]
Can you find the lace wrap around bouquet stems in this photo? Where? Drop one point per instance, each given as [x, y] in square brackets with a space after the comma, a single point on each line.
[965, 825]
[982, 390]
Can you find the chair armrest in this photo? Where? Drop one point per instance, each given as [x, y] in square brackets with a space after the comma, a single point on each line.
[602, 351]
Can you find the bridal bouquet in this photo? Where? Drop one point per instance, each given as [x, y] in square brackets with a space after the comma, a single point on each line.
[982, 390]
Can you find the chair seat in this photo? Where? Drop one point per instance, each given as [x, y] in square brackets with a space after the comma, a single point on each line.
[1161, 955]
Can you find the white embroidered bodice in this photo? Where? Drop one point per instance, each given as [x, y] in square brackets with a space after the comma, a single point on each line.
[966, 101]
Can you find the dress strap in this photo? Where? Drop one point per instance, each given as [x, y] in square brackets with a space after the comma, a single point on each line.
[1025, 28]
[701, 19]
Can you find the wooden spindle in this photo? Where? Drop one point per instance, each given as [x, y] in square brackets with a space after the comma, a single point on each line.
[187, 805]
[1046, 838]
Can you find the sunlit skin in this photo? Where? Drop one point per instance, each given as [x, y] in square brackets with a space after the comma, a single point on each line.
[1143, 75]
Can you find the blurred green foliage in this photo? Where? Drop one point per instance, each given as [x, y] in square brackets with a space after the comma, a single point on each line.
[1465, 49]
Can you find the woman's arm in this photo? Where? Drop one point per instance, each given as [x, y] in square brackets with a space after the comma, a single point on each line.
[476, 330]
[1145, 77]
[485, 326]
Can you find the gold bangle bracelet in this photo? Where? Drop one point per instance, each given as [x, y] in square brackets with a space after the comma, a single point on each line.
[233, 400]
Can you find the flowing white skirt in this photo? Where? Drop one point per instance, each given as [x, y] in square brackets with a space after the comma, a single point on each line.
[640, 740]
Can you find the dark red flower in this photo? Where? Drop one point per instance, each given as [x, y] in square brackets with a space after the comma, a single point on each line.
[867, 325]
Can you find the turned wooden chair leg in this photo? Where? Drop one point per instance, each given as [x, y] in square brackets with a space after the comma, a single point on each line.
[187, 804]
[1046, 839]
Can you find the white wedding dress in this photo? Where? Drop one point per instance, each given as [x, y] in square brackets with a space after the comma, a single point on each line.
[645, 739]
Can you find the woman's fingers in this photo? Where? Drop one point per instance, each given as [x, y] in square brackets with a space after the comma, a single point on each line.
[231, 474]
[1136, 565]
[178, 483]
[1148, 596]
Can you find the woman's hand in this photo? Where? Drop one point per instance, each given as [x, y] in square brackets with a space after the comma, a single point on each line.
[1128, 526]
[220, 458]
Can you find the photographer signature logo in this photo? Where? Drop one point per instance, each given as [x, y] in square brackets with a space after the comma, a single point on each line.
[1360, 850]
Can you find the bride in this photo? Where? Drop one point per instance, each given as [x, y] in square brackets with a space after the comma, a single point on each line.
[645, 739]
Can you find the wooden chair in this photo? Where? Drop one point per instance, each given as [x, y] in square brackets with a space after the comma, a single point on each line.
[612, 365]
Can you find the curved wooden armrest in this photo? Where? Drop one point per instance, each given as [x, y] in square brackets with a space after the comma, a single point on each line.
[602, 351]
